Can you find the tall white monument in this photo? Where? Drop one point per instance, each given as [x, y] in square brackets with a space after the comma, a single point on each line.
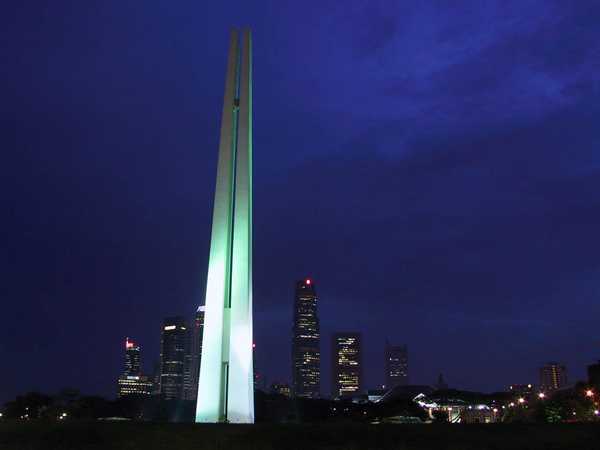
[226, 382]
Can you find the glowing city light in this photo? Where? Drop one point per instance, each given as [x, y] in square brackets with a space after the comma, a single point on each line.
[521, 400]
[589, 393]
[541, 395]
[308, 281]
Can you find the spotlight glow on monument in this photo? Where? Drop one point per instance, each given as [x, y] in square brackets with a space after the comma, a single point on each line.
[226, 385]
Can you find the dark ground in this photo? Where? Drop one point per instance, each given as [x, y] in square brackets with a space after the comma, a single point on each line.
[148, 436]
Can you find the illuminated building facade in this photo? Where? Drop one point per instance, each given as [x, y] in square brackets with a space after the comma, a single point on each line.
[174, 347]
[281, 389]
[132, 358]
[225, 387]
[192, 369]
[458, 410]
[396, 365]
[553, 376]
[306, 353]
[134, 384]
[346, 364]
[132, 381]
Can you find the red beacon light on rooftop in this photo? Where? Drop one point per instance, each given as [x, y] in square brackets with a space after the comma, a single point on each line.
[308, 281]
[128, 344]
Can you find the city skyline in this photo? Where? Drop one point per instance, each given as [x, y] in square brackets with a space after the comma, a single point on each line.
[346, 360]
[434, 170]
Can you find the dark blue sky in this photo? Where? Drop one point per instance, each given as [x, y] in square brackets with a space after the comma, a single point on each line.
[434, 166]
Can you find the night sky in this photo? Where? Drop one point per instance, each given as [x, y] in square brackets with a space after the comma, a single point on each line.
[433, 166]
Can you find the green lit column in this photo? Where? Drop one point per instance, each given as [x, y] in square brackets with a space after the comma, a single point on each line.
[225, 387]
[241, 375]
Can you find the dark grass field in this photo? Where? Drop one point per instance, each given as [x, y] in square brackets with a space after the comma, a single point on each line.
[148, 436]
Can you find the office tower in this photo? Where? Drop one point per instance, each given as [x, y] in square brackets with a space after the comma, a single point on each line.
[396, 365]
[260, 381]
[174, 346]
[594, 374]
[306, 354]
[226, 388]
[131, 380]
[132, 358]
[553, 376]
[193, 366]
[156, 377]
[346, 364]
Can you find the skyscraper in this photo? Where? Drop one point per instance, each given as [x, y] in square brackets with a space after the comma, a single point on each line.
[306, 354]
[174, 346]
[132, 358]
[346, 367]
[396, 365]
[226, 388]
[553, 376]
[193, 369]
[131, 380]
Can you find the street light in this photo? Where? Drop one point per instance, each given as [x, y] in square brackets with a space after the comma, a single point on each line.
[521, 400]
[542, 395]
[589, 393]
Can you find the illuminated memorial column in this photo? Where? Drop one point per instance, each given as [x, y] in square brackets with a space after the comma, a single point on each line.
[226, 385]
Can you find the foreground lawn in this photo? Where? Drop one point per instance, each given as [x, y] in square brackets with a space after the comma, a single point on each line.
[149, 436]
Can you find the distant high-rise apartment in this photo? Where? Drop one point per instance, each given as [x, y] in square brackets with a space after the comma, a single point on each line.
[306, 354]
[346, 364]
[174, 346]
[192, 366]
[553, 376]
[131, 380]
[396, 365]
